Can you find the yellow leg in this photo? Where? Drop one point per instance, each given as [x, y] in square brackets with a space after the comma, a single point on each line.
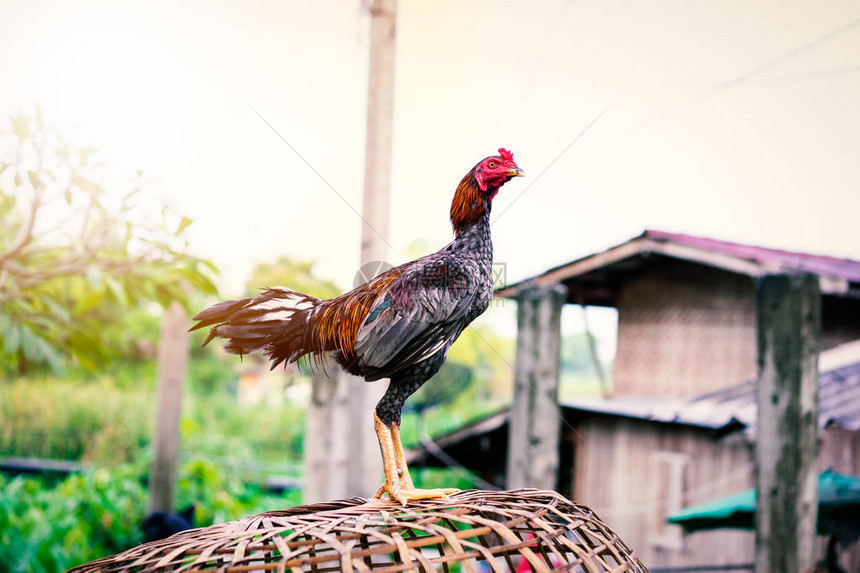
[389, 457]
[400, 457]
[398, 484]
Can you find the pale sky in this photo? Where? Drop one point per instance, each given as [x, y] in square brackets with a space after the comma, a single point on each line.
[736, 120]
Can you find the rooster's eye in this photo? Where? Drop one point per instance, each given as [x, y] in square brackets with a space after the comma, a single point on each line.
[492, 165]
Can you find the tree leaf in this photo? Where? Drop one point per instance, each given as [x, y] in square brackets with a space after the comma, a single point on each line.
[11, 339]
[117, 290]
[43, 352]
[7, 203]
[29, 346]
[81, 307]
[21, 127]
[94, 275]
[183, 224]
[58, 310]
[132, 193]
[84, 358]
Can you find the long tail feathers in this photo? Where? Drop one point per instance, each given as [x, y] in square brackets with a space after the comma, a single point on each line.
[273, 321]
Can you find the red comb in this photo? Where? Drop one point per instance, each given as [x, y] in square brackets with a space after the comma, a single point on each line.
[505, 154]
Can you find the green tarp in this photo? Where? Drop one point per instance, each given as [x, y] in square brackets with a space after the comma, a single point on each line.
[838, 509]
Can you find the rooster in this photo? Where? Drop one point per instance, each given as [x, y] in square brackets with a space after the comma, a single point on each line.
[399, 325]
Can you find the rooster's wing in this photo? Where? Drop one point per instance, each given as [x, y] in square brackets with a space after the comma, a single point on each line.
[422, 312]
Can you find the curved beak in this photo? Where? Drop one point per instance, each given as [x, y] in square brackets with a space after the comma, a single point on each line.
[517, 172]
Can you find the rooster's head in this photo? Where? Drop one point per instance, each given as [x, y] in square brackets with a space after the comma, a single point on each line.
[478, 188]
[496, 170]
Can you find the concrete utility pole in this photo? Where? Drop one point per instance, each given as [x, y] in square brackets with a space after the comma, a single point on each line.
[364, 459]
[327, 435]
[380, 118]
[348, 463]
[535, 415]
[172, 363]
[788, 317]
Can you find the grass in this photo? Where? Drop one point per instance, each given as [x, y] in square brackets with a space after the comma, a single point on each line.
[107, 420]
[89, 421]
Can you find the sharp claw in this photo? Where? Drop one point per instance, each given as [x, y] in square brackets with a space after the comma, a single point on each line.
[403, 495]
[398, 485]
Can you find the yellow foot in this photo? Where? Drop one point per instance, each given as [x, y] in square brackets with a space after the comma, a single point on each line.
[403, 494]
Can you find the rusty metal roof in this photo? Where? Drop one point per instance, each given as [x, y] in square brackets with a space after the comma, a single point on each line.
[735, 406]
[592, 279]
[726, 411]
[847, 269]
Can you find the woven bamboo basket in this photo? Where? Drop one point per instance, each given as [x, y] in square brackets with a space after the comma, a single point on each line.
[474, 531]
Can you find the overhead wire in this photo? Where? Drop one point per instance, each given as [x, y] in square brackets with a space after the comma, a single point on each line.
[750, 75]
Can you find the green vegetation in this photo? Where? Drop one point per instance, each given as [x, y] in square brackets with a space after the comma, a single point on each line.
[44, 528]
[51, 524]
[70, 420]
[107, 420]
[287, 271]
[78, 254]
[578, 376]
[53, 527]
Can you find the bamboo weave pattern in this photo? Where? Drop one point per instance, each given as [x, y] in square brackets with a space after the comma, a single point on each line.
[474, 531]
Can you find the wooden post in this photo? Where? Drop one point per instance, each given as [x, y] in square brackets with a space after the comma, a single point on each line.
[172, 363]
[318, 435]
[326, 450]
[788, 315]
[345, 425]
[533, 442]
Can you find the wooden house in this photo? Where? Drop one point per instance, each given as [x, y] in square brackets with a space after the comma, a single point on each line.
[686, 313]
[679, 428]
